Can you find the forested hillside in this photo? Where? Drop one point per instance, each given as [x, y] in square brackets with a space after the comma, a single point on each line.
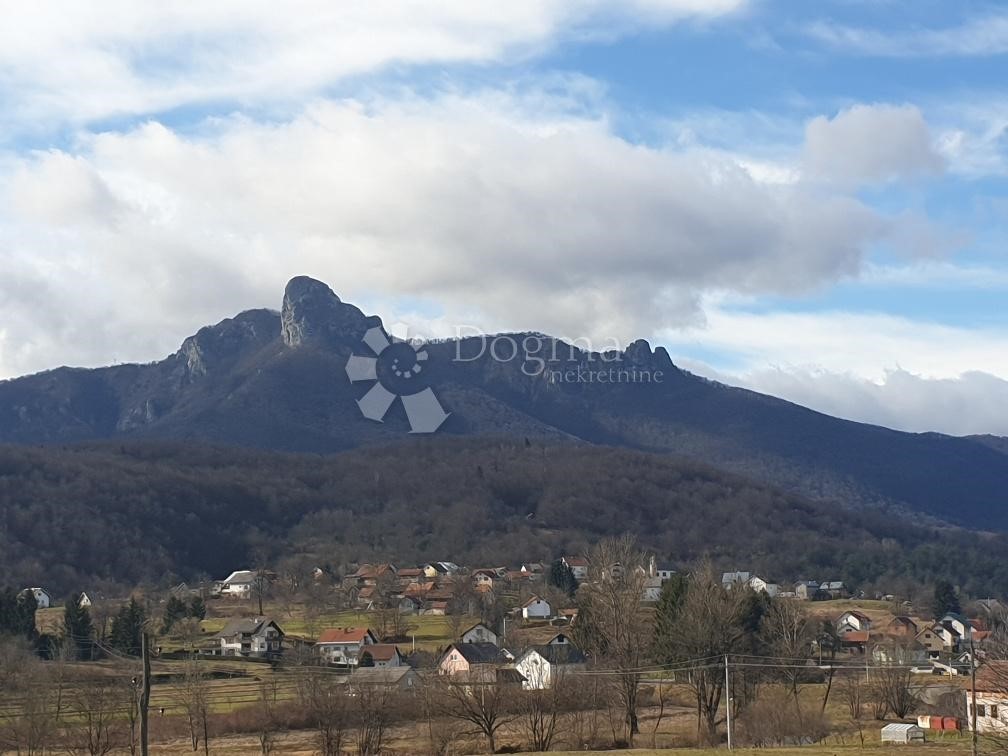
[124, 514]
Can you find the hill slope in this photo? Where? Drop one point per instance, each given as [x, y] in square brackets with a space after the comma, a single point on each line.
[127, 513]
[279, 381]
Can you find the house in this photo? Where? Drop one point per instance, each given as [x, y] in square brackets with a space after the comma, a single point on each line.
[759, 584]
[410, 605]
[479, 633]
[903, 734]
[342, 645]
[533, 568]
[807, 590]
[42, 598]
[853, 621]
[370, 574]
[440, 569]
[730, 579]
[402, 678]
[520, 638]
[835, 589]
[542, 666]
[991, 699]
[931, 642]
[409, 575]
[536, 608]
[578, 566]
[902, 626]
[473, 661]
[238, 584]
[957, 623]
[949, 635]
[252, 636]
[435, 608]
[484, 577]
[382, 655]
[899, 653]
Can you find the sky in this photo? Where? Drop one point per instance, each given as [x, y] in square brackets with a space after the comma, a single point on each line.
[805, 199]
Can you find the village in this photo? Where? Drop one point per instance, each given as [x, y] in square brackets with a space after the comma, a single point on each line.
[432, 643]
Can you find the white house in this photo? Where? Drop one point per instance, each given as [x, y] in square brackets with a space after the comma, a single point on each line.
[759, 584]
[853, 621]
[578, 566]
[542, 666]
[84, 601]
[957, 623]
[42, 598]
[991, 699]
[479, 633]
[342, 645]
[238, 584]
[253, 636]
[536, 608]
[729, 579]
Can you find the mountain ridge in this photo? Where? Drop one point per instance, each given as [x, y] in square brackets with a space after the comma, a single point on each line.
[278, 380]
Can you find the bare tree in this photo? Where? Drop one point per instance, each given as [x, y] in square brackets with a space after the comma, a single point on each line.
[26, 720]
[194, 698]
[94, 724]
[788, 634]
[326, 703]
[541, 711]
[613, 627]
[852, 692]
[485, 704]
[374, 710]
[893, 685]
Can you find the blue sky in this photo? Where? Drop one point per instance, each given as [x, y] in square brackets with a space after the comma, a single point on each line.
[808, 199]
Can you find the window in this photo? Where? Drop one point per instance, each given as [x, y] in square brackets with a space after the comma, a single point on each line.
[981, 710]
[992, 711]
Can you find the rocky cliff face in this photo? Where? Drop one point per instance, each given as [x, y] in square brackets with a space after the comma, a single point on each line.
[313, 313]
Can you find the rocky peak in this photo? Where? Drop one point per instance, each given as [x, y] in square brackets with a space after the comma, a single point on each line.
[312, 312]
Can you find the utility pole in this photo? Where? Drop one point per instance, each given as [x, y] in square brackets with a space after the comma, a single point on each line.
[728, 698]
[144, 692]
[973, 704]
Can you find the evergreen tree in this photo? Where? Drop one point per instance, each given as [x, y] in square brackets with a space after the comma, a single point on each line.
[78, 630]
[197, 608]
[17, 613]
[673, 593]
[562, 576]
[945, 599]
[366, 660]
[127, 628]
[175, 610]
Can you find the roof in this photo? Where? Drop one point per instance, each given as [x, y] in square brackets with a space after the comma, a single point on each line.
[240, 576]
[473, 627]
[736, 577]
[992, 677]
[522, 637]
[575, 561]
[856, 637]
[373, 570]
[533, 600]
[380, 652]
[900, 727]
[250, 625]
[479, 653]
[410, 572]
[344, 635]
[861, 616]
[565, 654]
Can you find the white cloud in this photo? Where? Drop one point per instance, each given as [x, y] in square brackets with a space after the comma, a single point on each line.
[862, 344]
[980, 36]
[73, 61]
[971, 403]
[870, 144]
[547, 220]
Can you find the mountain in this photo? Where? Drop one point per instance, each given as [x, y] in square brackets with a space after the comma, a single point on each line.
[281, 381]
[109, 516]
